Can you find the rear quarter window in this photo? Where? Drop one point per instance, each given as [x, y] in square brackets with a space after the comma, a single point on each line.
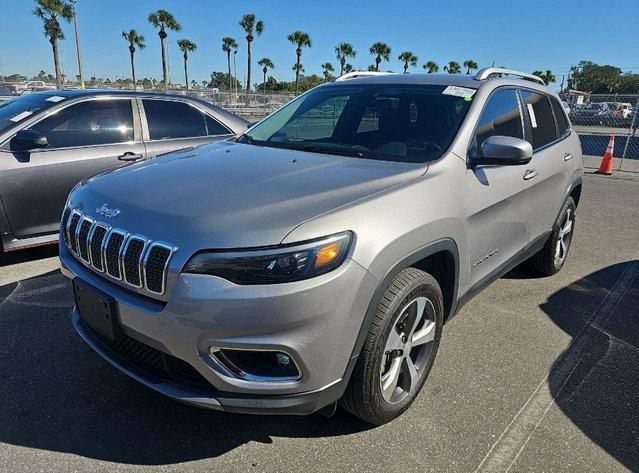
[560, 117]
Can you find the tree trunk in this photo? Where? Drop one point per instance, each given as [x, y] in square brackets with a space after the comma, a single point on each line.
[186, 72]
[297, 69]
[228, 60]
[248, 69]
[405, 67]
[165, 69]
[56, 63]
[133, 69]
[378, 59]
[341, 66]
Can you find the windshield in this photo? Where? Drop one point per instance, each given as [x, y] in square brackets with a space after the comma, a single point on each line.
[20, 108]
[407, 123]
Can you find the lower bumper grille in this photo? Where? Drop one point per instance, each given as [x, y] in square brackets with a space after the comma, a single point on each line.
[156, 363]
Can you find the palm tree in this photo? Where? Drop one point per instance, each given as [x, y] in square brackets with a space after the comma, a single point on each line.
[164, 20]
[548, 77]
[343, 51]
[409, 59]
[328, 70]
[266, 64]
[453, 67]
[251, 28]
[348, 68]
[431, 66]
[134, 39]
[470, 65]
[380, 51]
[186, 47]
[229, 44]
[301, 40]
[49, 11]
[298, 68]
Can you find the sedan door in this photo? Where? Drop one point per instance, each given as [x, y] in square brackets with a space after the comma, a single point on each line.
[496, 196]
[170, 124]
[84, 138]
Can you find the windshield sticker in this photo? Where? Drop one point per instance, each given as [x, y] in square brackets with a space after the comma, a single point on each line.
[458, 91]
[55, 98]
[531, 112]
[21, 116]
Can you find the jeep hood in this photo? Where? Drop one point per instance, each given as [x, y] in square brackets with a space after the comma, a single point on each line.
[230, 195]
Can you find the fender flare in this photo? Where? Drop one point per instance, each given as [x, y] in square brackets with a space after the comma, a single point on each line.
[445, 244]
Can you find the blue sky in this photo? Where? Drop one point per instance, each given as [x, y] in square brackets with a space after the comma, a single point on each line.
[527, 35]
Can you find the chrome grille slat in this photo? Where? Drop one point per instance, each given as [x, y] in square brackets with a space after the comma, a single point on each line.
[131, 259]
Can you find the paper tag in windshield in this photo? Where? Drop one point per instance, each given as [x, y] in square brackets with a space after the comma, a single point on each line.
[458, 91]
[531, 112]
[55, 98]
[21, 116]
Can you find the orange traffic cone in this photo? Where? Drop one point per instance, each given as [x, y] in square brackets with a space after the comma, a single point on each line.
[607, 161]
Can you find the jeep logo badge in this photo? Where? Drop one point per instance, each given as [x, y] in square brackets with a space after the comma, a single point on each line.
[107, 211]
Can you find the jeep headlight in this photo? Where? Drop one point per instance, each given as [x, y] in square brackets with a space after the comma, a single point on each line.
[274, 265]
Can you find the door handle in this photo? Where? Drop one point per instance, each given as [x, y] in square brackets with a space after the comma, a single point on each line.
[129, 156]
[530, 174]
[568, 156]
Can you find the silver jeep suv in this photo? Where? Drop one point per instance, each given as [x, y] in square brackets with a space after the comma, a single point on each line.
[314, 260]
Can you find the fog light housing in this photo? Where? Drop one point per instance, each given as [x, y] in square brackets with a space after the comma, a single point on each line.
[257, 365]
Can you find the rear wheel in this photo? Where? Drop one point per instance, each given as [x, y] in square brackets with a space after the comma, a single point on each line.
[399, 349]
[552, 256]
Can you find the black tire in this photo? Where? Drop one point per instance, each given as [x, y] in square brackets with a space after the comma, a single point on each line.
[363, 396]
[545, 262]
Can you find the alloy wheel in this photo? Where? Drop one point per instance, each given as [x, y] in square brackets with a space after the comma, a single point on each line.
[563, 238]
[407, 350]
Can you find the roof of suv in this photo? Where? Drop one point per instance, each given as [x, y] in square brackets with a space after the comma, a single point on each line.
[460, 80]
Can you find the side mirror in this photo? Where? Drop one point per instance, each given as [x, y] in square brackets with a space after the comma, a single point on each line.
[503, 151]
[27, 139]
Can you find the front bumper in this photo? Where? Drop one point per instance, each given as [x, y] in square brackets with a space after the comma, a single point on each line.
[316, 321]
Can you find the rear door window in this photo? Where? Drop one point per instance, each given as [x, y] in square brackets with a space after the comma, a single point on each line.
[501, 117]
[560, 117]
[89, 123]
[540, 119]
[169, 119]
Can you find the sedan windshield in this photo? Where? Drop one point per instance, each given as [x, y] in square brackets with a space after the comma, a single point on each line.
[406, 123]
[20, 108]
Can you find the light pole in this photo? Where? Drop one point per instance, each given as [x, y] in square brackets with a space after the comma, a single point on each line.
[77, 43]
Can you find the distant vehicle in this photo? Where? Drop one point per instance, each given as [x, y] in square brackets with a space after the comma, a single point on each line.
[621, 110]
[316, 258]
[49, 141]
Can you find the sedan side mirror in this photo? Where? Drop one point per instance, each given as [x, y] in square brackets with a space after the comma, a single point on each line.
[27, 139]
[503, 151]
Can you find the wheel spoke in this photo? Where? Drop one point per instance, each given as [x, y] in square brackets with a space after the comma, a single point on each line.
[389, 380]
[566, 229]
[411, 375]
[394, 341]
[421, 307]
[425, 335]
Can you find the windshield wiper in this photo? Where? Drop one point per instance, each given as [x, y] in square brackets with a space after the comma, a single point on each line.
[313, 148]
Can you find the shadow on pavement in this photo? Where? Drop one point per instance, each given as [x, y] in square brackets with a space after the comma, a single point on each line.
[596, 381]
[56, 394]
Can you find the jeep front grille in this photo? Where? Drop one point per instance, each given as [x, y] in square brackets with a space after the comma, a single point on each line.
[131, 259]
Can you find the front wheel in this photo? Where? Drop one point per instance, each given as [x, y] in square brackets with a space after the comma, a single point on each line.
[399, 349]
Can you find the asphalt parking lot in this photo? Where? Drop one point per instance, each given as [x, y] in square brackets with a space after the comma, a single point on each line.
[535, 374]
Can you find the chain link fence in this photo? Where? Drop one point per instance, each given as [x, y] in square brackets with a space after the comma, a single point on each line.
[596, 118]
